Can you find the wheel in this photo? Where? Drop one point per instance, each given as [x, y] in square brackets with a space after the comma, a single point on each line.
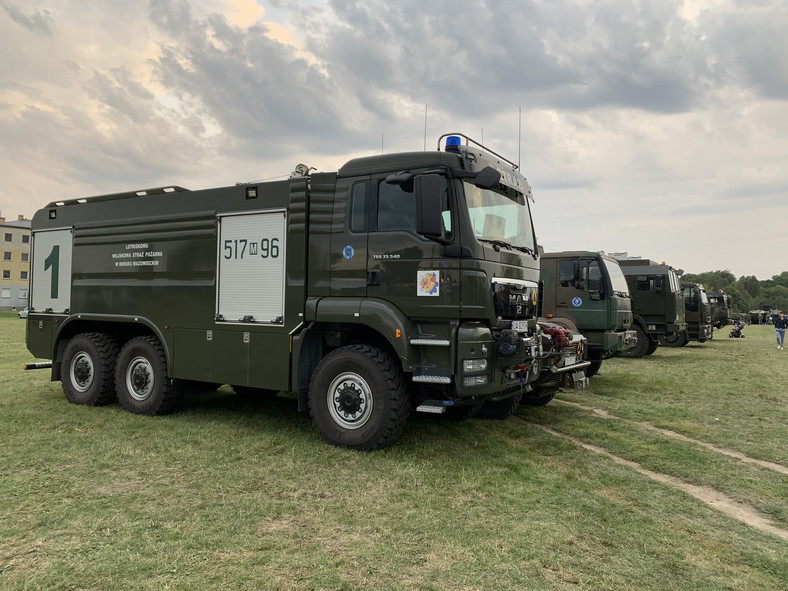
[651, 347]
[641, 346]
[499, 410]
[141, 378]
[358, 398]
[678, 339]
[593, 369]
[88, 369]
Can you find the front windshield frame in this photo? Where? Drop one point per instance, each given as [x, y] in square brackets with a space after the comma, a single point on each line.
[501, 215]
[618, 281]
[673, 279]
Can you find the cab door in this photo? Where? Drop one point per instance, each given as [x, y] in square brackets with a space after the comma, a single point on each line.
[405, 268]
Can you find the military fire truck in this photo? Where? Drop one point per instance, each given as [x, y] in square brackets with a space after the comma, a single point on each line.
[657, 303]
[400, 279]
[587, 292]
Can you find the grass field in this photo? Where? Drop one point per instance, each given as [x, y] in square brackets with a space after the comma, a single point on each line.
[670, 472]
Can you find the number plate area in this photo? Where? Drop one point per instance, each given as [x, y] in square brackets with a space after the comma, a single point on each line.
[520, 325]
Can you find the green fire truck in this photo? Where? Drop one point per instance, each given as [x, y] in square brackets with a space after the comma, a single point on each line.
[399, 281]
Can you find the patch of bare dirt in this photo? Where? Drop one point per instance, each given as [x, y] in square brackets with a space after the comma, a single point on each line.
[678, 436]
[707, 495]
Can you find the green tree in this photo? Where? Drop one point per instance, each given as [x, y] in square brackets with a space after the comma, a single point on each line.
[751, 285]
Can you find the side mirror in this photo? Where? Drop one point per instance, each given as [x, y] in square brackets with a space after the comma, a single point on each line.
[487, 178]
[399, 178]
[429, 219]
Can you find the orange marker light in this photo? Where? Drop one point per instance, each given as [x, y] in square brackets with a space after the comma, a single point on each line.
[398, 333]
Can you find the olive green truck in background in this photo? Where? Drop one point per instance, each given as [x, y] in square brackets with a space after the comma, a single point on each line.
[697, 313]
[587, 292]
[400, 280]
[657, 303]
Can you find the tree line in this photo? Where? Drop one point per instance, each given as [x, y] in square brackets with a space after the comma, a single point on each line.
[748, 292]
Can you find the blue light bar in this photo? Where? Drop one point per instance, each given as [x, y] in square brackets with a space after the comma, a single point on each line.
[453, 142]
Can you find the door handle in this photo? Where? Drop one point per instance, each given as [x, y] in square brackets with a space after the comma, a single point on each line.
[374, 277]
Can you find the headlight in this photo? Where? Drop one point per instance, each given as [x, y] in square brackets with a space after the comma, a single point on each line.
[474, 366]
[472, 381]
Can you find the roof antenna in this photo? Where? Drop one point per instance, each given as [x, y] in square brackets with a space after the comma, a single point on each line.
[519, 134]
[425, 128]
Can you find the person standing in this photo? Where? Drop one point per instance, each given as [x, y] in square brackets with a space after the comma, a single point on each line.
[780, 324]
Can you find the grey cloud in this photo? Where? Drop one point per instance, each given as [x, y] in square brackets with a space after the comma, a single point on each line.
[39, 21]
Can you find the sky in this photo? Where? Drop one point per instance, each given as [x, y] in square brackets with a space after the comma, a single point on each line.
[653, 127]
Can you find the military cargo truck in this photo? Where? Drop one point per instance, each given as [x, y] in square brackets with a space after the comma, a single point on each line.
[721, 308]
[587, 292]
[657, 303]
[697, 311]
[401, 278]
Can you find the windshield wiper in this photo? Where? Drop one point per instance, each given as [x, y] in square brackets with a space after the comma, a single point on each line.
[503, 243]
[498, 243]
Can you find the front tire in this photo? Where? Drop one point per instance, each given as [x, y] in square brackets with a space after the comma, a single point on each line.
[88, 369]
[358, 398]
[141, 378]
[641, 346]
[678, 339]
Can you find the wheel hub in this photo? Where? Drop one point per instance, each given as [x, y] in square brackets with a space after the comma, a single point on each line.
[140, 378]
[350, 400]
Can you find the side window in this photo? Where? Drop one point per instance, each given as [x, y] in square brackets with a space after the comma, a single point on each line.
[567, 273]
[396, 207]
[644, 284]
[596, 281]
[358, 207]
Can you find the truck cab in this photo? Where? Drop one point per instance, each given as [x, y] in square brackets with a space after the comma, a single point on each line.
[657, 303]
[721, 308]
[587, 291]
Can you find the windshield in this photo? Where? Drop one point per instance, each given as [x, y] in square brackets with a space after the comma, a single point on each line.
[703, 297]
[617, 279]
[674, 281]
[500, 215]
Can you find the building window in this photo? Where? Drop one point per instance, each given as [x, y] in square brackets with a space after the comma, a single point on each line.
[6, 274]
[25, 257]
[5, 292]
[25, 239]
[23, 294]
[23, 275]
[8, 237]
[6, 256]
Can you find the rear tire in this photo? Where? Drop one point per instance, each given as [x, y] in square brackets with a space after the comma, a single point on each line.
[358, 398]
[652, 346]
[141, 378]
[88, 369]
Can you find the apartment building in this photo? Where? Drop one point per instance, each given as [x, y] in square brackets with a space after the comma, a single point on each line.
[15, 263]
